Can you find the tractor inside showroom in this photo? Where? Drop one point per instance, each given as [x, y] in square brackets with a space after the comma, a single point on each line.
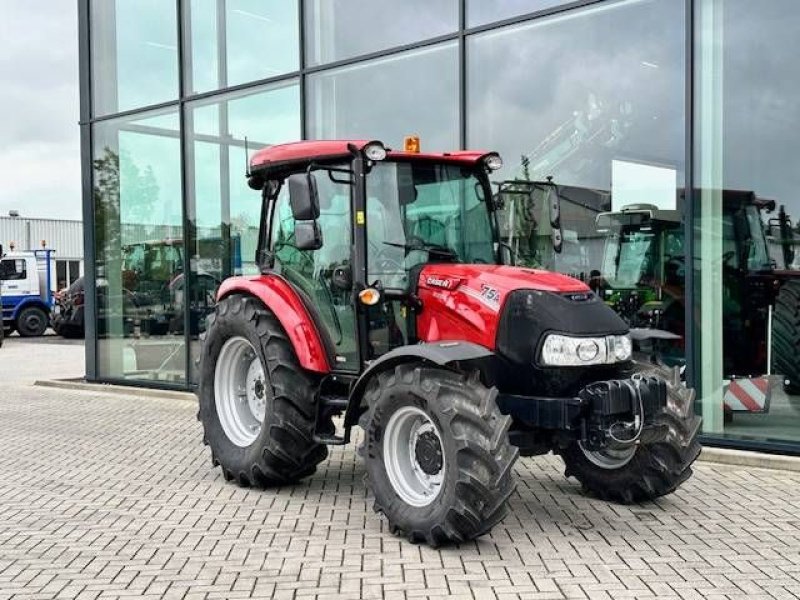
[385, 296]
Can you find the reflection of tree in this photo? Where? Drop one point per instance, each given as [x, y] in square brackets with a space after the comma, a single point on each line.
[106, 204]
[141, 188]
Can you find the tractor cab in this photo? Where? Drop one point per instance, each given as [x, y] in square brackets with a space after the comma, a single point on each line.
[330, 235]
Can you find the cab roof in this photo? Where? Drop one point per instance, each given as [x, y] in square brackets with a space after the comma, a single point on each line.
[287, 157]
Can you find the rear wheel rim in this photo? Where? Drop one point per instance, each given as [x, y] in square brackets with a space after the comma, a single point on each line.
[241, 391]
[609, 458]
[413, 456]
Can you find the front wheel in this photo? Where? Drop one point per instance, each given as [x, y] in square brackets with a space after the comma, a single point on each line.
[642, 473]
[32, 322]
[437, 454]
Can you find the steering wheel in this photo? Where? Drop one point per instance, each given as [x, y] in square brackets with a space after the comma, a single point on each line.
[385, 263]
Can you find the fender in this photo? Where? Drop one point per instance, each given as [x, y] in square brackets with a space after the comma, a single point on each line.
[279, 297]
[28, 302]
[443, 354]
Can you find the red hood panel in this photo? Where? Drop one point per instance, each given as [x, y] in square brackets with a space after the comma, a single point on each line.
[463, 302]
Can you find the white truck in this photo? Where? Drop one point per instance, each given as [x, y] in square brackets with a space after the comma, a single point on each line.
[27, 281]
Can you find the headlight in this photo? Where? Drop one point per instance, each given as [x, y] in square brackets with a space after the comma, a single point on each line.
[567, 351]
[493, 161]
[374, 151]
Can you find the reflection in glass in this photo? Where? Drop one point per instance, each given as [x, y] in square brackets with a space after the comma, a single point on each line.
[223, 211]
[338, 29]
[747, 212]
[134, 54]
[480, 12]
[139, 249]
[236, 41]
[382, 99]
[595, 99]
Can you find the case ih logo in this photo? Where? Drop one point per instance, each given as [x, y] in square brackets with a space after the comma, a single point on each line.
[441, 282]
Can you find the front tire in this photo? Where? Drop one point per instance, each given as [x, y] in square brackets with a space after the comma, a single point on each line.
[649, 471]
[257, 404]
[438, 458]
[31, 322]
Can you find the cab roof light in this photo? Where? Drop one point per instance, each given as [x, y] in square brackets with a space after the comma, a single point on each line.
[411, 144]
[493, 161]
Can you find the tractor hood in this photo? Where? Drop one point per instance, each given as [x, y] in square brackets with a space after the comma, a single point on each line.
[502, 307]
[494, 282]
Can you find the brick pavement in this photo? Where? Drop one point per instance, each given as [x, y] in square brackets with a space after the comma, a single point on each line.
[108, 496]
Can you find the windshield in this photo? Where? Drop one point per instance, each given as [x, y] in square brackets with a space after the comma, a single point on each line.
[424, 212]
[757, 252]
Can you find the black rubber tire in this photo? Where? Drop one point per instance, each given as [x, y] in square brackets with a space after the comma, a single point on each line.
[655, 469]
[31, 322]
[478, 478]
[786, 336]
[284, 451]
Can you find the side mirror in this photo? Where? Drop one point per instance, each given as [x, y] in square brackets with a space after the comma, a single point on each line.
[554, 208]
[342, 278]
[307, 235]
[303, 197]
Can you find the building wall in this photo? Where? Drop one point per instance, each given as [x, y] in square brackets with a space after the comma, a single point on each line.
[675, 104]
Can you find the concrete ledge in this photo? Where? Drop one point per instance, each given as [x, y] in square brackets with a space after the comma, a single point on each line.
[743, 458]
[106, 388]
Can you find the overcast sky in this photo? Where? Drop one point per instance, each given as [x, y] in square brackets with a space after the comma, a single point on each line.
[39, 136]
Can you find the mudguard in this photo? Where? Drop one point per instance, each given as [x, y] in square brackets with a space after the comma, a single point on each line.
[285, 303]
[443, 354]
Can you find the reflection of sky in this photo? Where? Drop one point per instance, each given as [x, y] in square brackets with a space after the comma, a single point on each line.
[338, 29]
[761, 111]
[262, 41]
[411, 93]
[146, 53]
[594, 84]
[481, 11]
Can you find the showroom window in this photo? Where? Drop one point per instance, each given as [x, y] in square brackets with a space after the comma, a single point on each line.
[747, 215]
[384, 99]
[339, 29]
[231, 42]
[223, 211]
[139, 250]
[480, 12]
[570, 100]
[134, 54]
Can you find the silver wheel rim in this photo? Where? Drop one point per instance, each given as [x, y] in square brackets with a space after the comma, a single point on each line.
[609, 458]
[403, 434]
[240, 391]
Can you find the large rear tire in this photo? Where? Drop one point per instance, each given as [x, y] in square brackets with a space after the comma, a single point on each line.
[648, 471]
[438, 458]
[786, 336]
[257, 405]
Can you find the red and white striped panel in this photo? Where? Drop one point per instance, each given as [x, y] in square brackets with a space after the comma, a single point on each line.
[749, 394]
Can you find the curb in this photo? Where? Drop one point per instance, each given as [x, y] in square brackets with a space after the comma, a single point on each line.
[743, 458]
[107, 388]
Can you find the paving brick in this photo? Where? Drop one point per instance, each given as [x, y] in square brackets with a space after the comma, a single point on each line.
[112, 496]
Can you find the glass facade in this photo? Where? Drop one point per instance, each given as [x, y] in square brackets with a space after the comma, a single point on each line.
[666, 125]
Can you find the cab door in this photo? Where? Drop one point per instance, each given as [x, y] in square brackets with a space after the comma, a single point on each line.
[323, 277]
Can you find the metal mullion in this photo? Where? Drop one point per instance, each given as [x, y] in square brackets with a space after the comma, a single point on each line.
[462, 75]
[689, 196]
[87, 195]
[133, 112]
[188, 280]
[301, 16]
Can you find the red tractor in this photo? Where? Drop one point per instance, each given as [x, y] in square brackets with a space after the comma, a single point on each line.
[386, 296]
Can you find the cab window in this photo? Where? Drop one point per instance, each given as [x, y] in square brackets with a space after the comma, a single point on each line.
[12, 269]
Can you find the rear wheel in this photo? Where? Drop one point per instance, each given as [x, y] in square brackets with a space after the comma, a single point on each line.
[437, 454]
[257, 405]
[31, 322]
[643, 472]
[786, 336]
